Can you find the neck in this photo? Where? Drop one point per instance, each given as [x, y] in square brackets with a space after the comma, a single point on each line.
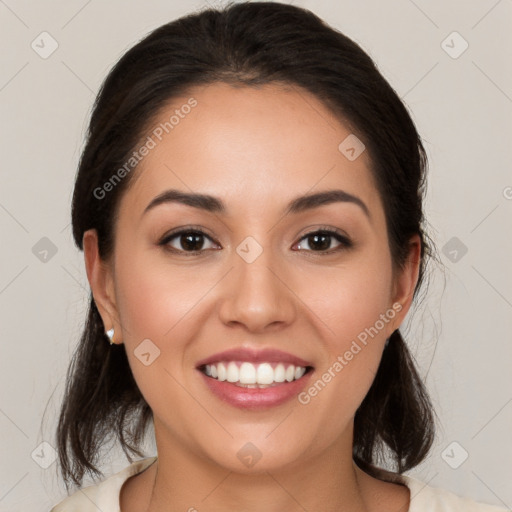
[185, 481]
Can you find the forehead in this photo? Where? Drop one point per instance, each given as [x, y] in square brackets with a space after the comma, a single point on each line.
[251, 146]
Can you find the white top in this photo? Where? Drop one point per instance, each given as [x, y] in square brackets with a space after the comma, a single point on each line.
[105, 495]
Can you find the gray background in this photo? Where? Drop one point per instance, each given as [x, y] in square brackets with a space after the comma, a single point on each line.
[462, 104]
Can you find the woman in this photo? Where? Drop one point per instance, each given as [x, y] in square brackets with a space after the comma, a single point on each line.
[249, 203]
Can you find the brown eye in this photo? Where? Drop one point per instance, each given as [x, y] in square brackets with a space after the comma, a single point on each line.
[192, 241]
[322, 240]
[188, 241]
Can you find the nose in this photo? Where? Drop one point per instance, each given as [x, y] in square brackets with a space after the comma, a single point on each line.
[256, 295]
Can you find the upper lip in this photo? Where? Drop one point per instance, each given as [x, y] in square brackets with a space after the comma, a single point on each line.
[268, 355]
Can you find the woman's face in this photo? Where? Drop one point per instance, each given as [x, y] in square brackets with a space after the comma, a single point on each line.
[251, 274]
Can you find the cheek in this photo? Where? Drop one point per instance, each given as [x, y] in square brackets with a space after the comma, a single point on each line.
[154, 299]
[349, 299]
[354, 314]
[156, 309]
[155, 304]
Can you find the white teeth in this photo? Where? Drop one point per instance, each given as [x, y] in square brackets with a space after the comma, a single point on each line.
[247, 373]
[221, 372]
[279, 373]
[299, 372]
[290, 373]
[232, 374]
[265, 374]
[254, 375]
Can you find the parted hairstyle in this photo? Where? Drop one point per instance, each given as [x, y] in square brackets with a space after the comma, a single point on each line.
[244, 44]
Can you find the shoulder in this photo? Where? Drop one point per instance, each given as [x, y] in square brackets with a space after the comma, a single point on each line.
[425, 498]
[103, 496]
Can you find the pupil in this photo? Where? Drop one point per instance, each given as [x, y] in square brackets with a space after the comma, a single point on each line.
[321, 242]
[192, 241]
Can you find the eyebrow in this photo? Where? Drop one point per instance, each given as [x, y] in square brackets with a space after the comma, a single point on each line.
[213, 204]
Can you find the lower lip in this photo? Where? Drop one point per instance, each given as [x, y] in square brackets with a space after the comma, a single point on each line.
[256, 398]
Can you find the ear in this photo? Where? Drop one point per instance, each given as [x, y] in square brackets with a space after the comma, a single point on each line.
[405, 280]
[101, 281]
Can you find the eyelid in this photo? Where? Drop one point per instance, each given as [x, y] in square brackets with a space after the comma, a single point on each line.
[325, 229]
[344, 240]
[165, 239]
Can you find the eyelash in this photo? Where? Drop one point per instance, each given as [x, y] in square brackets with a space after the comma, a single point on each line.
[345, 242]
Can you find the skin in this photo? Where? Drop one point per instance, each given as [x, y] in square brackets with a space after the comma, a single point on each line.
[256, 149]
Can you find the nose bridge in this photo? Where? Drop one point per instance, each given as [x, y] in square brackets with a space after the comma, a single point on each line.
[256, 297]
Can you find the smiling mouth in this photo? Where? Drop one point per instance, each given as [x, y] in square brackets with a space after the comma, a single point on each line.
[245, 374]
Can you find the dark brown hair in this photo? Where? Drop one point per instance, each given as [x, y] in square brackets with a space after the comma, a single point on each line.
[246, 44]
